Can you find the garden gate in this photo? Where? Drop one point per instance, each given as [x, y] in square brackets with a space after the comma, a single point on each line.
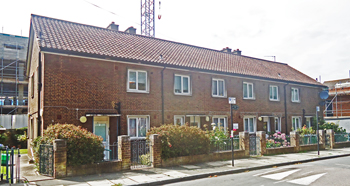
[46, 159]
[140, 153]
[254, 147]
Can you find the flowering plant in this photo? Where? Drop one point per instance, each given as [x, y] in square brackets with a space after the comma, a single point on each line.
[278, 139]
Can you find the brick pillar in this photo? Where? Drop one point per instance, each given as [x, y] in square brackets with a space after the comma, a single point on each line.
[156, 150]
[331, 138]
[262, 142]
[124, 151]
[244, 142]
[60, 158]
[294, 140]
[322, 135]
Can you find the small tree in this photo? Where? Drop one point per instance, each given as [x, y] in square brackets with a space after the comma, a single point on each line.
[83, 147]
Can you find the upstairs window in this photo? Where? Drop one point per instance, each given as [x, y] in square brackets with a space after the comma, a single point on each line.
[248, 91]
[274, 93]
[295, 95]
[32, 85]
[182, 84]
[218, 88]
[137, 81]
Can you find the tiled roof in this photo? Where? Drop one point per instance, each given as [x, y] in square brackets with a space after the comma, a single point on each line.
[73, 37]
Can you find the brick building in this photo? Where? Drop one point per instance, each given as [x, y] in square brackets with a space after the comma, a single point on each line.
[78, 71]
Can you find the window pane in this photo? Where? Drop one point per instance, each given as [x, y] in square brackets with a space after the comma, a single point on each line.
[177, 84]
[245, 90]
[178, 121]
[100, 130]
[142, 126]
[271, 94]
[215, 88]
[221, 88]
[275, 93]
[251, 125]
[216, 121]
[142, 80]
[132, 127]
[185, 86]
[132, 80]
[250, 90]
[222, 122]
[246, 128]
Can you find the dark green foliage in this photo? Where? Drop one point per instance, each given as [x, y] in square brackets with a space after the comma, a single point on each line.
[181, 140]
[83, 147]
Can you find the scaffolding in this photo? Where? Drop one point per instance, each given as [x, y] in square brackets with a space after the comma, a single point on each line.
[339, 105]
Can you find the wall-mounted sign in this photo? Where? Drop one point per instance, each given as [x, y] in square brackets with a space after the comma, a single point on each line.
[83, 119]
[234, 125]
[232, 100]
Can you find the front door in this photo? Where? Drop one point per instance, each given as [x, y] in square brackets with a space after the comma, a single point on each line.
[101, 128]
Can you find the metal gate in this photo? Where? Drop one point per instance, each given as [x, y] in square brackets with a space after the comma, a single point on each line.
[253, 145]
[46, 159]
[140, 154]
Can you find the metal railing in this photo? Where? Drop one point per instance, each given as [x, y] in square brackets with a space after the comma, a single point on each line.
[111, 152]
[224, 144]
[308, 139]
[342, 137]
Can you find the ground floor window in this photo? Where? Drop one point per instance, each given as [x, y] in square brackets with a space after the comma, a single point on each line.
[220, 121]
[277, 124]
[179, 120]
[195, 121]
[308, 122]
[296, 122]
[138, 126]
[249, 124]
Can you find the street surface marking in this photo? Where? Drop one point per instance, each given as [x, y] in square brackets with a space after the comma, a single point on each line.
[307, 180]
[267, 172]
[281, 175]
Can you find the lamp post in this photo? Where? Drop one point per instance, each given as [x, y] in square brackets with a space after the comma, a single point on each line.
[318, 134]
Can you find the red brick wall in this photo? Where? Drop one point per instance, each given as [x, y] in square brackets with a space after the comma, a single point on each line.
[91, 85]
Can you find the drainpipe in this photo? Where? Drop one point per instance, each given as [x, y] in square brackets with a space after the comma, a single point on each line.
[39, 90]
[285, 107]
[162, 87]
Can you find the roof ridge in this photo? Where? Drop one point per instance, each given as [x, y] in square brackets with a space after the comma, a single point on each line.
[160, 39]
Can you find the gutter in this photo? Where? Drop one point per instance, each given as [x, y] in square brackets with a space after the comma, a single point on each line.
[285, 107]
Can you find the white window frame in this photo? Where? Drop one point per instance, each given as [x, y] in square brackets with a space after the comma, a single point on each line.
[147, 117]
[293, 95]
[277, 124]
[254, 124]
[308, 122]
[189, 85]
[221, 117]
[253, 95]
[181, 117]
[136, 81]
[271, 90]
[196, 119]
[217, 87]
[294, 125]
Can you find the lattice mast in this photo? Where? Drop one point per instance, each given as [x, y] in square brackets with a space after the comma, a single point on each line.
[147, 18]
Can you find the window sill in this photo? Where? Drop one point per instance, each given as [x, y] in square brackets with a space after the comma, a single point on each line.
[137, 91]
[137, 138]
[218, 96]
[295, 101]
[182, 94]
[249, 98]
[274, 100]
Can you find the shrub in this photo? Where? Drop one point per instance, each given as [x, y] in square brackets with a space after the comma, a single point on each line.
[83, 147]
[304, 131]
[278, 139]
[181, 140]
[334, 126]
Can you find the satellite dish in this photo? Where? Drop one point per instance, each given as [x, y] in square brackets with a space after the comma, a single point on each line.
[324, 94]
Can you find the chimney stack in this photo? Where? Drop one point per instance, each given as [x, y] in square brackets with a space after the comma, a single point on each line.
[237, 52]
[113, 26]
[227, 50]
[131, 30]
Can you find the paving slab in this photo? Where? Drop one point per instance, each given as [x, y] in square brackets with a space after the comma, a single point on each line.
[125, 181]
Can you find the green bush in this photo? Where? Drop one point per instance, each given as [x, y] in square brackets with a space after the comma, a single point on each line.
[181, 140]
[83, 147]
[323, 125]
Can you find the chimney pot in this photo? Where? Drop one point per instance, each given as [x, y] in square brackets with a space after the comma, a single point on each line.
[227, 49]
[113, 26]
[131, 30]
[237, 52]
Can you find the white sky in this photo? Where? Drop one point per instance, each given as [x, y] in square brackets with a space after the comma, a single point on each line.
[312, 36]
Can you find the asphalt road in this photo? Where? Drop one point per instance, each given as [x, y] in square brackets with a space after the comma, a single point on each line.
[325, 173]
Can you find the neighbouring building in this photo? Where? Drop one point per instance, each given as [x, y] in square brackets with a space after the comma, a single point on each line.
[13, 81]
[337, 109]
[79, 73]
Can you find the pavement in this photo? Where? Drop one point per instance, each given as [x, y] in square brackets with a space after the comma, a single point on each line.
[161, 176]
